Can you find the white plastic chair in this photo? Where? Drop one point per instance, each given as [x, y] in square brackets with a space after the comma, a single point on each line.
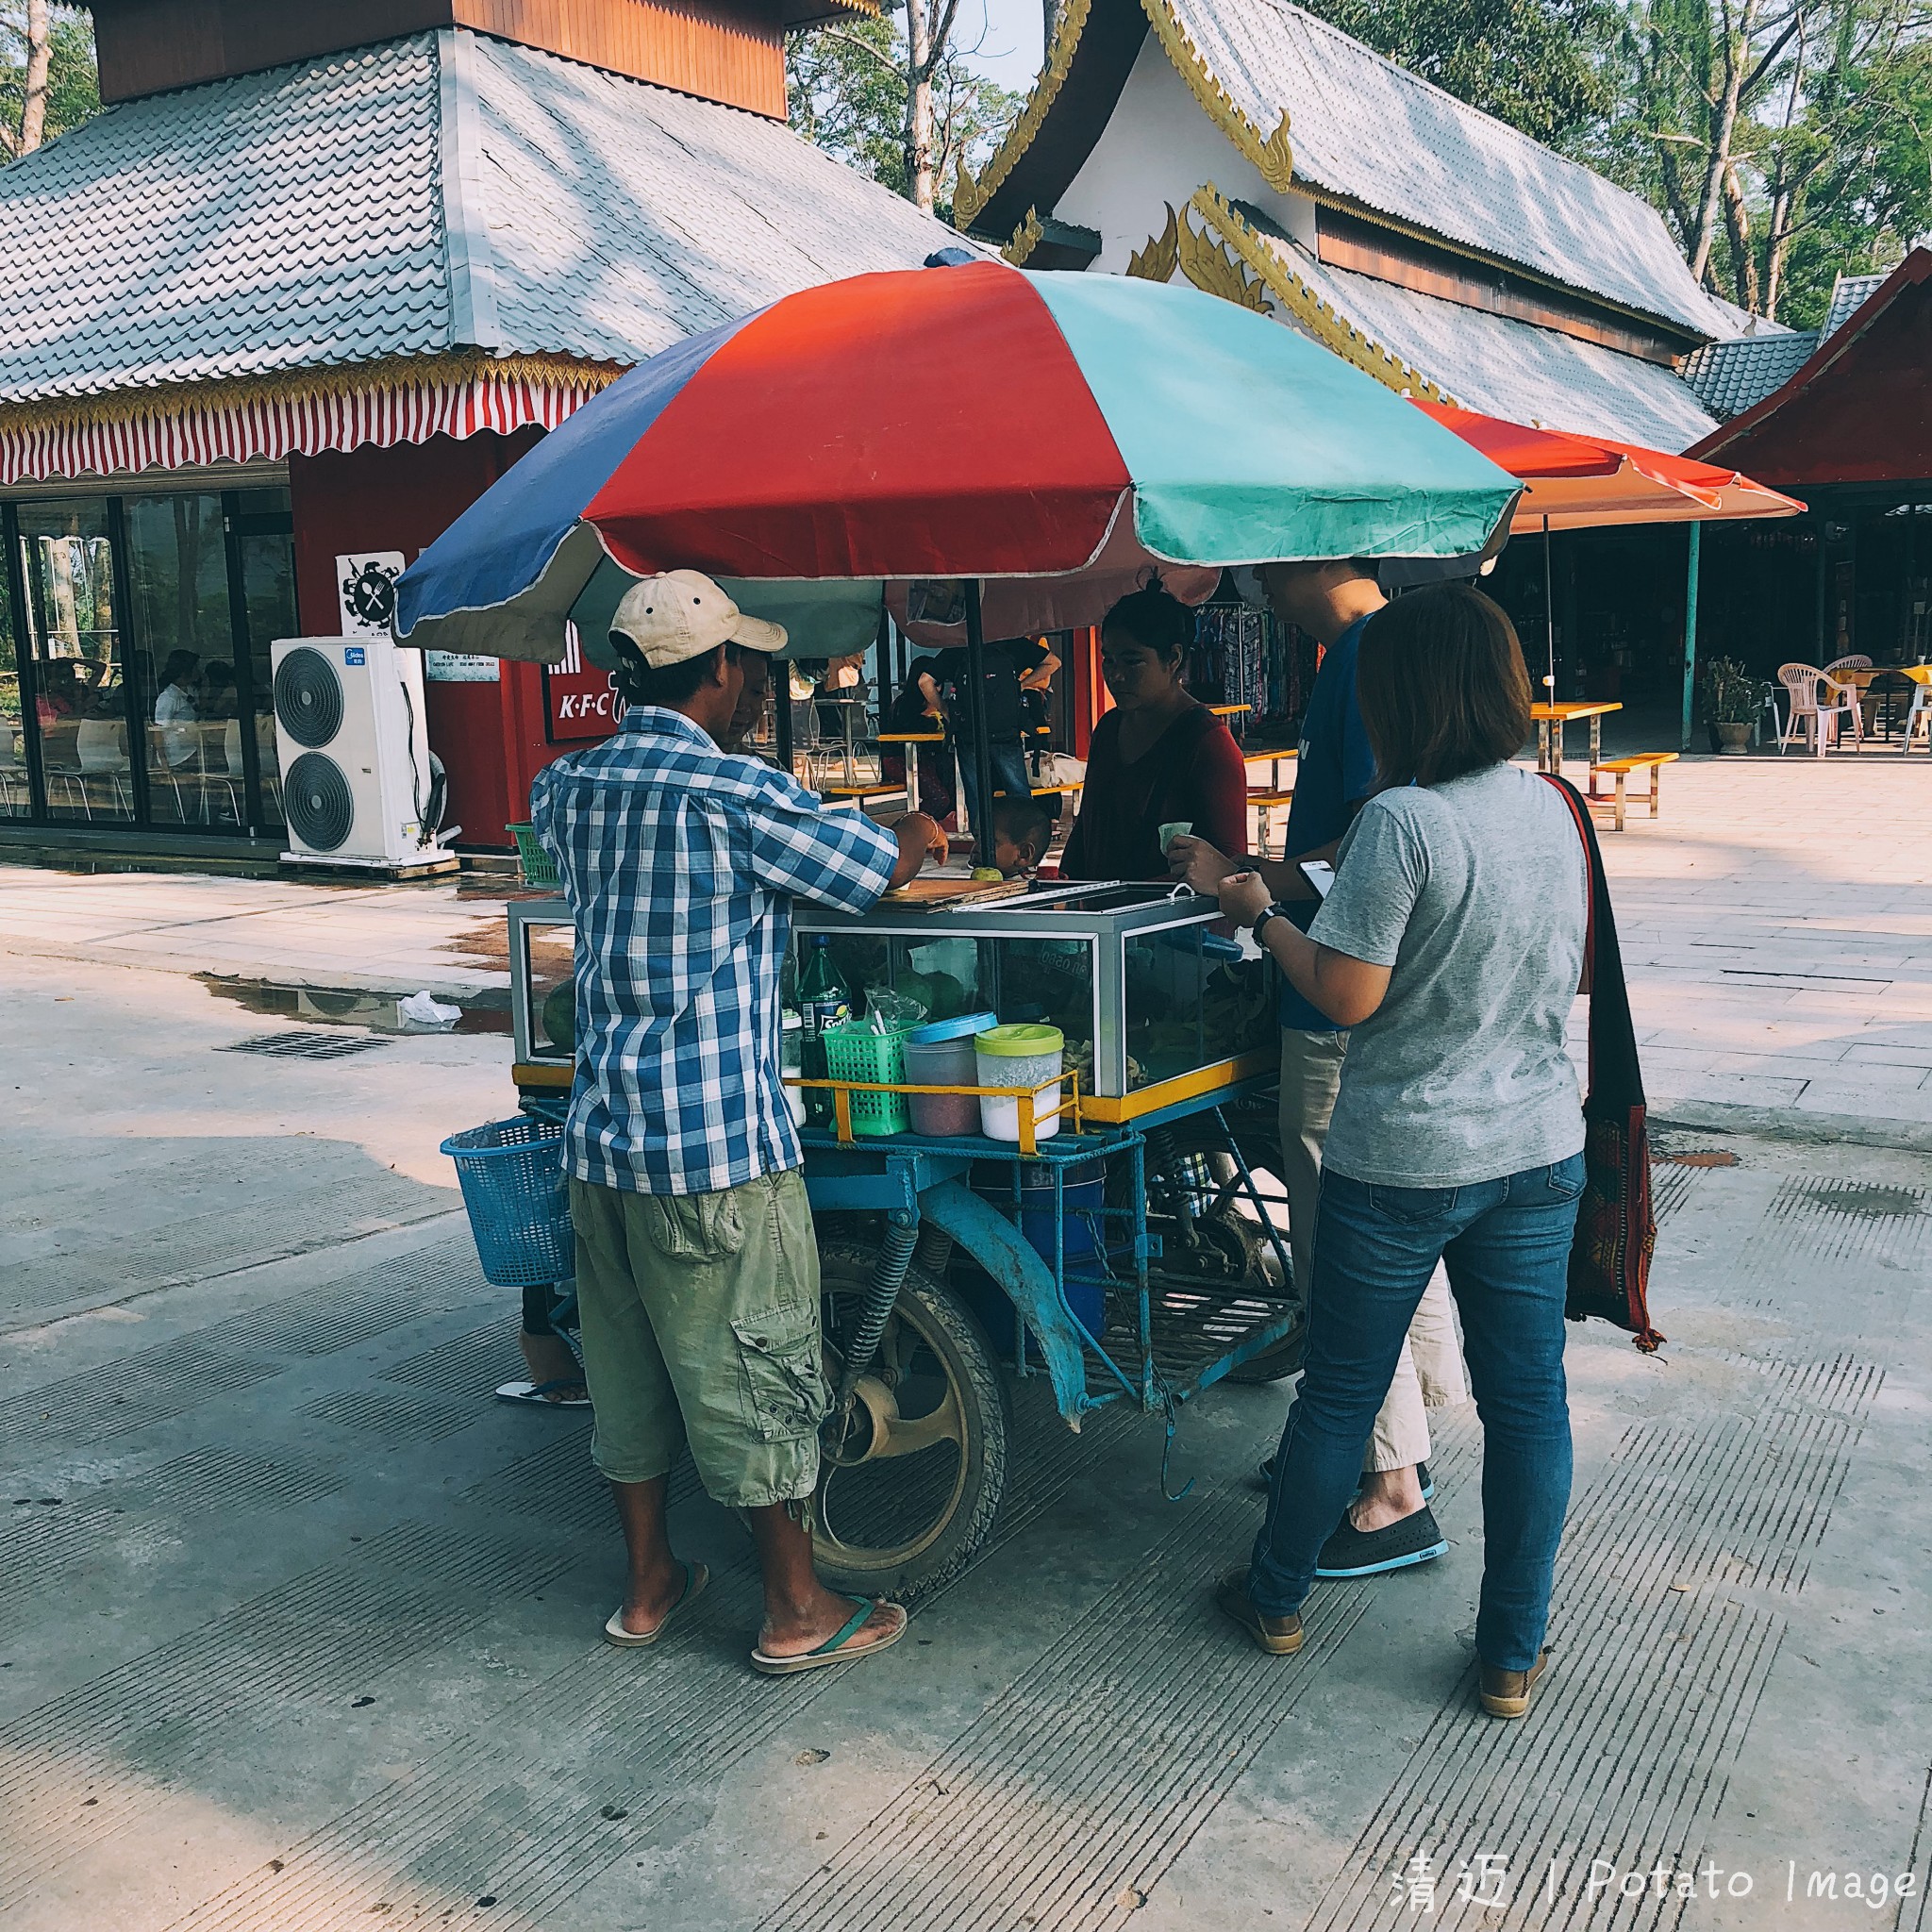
[101, 751]
[1920, 717]
[14, 797]
[1855, 660]
[1801, 683]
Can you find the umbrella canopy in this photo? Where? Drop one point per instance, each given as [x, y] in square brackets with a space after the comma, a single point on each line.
[959, 422]
[1585, 482]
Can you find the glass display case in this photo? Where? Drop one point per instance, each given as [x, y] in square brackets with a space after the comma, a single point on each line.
[1155, 998]
[1149, 990]
[543, 986]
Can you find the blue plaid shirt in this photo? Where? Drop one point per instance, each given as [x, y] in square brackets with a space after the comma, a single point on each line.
[680, 864]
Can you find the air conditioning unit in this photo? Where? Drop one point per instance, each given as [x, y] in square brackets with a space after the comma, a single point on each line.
[354, 749]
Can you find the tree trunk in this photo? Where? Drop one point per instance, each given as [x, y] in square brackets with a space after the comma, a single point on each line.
[40, 54]
[1050, 10]
[1738, 226]
[1735, 42]
[920, 62]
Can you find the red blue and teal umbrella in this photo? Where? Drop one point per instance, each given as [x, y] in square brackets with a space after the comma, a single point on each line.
[1056, 433]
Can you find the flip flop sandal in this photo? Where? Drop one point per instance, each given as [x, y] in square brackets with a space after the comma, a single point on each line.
[695, 1577]
[537, 1394]
[832, 1650]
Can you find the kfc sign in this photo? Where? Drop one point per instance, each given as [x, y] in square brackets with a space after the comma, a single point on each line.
[580, 701]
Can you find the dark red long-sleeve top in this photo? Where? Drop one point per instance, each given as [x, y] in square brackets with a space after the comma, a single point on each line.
[1191, 772]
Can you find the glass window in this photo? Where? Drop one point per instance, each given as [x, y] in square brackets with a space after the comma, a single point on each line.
[183, 659]
[66, 563]
[268, 589]
[16, 802]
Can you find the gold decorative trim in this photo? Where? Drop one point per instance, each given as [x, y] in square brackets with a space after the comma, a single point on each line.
[1158, 260]
[1314, 315]
[1215, 269]
[969, 193]
[1271, 154]
[130, 405]
[1026, 238]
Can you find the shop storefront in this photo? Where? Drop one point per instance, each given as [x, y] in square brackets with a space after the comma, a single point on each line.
[332, 288]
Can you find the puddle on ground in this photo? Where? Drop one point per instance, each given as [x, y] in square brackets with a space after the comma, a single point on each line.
[375, 1012]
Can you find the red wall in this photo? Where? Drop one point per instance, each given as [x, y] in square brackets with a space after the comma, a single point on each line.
[490, 735]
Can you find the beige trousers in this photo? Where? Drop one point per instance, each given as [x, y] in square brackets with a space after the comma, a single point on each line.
[1429, 1375]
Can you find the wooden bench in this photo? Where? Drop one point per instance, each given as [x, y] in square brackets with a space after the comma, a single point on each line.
[1620, 768]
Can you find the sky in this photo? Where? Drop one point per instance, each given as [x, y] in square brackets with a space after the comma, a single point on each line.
[1007, 33]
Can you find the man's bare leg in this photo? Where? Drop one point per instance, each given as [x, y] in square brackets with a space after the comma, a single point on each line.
[656, 1579]
[800, 1612]
[1386, 1496]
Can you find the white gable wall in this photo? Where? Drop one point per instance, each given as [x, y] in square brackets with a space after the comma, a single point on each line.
[1157, 148]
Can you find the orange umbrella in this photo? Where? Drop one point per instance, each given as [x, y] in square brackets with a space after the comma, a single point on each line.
[1586, 482]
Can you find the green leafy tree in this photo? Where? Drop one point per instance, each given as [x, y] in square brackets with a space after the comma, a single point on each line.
[853, 91]
[47, 78]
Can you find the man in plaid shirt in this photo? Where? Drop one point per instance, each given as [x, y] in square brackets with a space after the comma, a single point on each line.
[697, 1267]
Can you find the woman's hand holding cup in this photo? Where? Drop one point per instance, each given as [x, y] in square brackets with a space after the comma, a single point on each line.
[1196, 863]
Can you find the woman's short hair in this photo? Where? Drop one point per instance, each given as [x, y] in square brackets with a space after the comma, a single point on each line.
[1441, 685]
[180, 664]
[1153, 618]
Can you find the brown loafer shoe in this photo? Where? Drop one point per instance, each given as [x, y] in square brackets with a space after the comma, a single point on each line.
[1505, 1693]
[1277, 1636]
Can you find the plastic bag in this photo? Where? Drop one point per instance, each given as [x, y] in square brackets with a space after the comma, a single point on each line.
[891, 1011]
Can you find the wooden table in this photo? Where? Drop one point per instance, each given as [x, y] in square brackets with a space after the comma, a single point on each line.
[1550, 721]
[1862, 681]
[1271, 758]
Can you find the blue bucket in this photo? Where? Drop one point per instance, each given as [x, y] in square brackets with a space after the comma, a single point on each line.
[511, 1174]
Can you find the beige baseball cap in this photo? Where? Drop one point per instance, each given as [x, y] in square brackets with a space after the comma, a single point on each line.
[683, 614]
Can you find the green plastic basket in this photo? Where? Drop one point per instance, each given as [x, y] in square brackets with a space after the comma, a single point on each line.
[539, 868]
[857, 1053]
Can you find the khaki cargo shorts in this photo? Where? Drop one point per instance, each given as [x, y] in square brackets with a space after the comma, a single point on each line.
[700, 1319]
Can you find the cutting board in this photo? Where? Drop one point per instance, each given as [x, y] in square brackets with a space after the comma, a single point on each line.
[942, 894]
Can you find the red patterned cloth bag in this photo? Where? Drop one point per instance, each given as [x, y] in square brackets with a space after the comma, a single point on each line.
[1616, 1231]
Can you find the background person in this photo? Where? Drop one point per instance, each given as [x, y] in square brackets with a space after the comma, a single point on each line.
[1161, 757]
[178, 707]
[917, 706]
[696, 1262]
[1005, 666]
[1452, 943]
[1389, 1524]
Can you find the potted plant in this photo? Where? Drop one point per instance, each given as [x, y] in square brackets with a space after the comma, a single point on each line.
[1731, 701]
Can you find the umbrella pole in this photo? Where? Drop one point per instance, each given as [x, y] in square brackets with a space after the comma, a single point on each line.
[1549, 614]
[982, 750]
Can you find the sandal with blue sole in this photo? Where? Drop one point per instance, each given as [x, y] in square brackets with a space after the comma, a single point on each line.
[834, 1649]
[695, 1577]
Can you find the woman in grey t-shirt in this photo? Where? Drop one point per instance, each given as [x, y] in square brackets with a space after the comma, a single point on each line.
[1451, 942]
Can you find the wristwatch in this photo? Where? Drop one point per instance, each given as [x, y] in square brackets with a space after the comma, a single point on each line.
[1261, 919]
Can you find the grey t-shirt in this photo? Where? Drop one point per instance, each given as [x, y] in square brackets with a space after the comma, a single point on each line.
[1473, 892]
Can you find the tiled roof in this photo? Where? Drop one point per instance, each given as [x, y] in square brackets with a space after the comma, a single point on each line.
[1513, 369]
[256, 224]
[1375, 134]
[1730, 377]
[1847, 296]
[438, 192]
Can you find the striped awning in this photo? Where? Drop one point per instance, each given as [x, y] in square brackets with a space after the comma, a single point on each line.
[199, 425]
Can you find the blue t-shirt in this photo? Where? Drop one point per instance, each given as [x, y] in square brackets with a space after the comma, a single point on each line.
[1336, 770]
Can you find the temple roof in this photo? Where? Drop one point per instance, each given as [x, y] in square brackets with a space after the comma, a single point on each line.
[1363, 132]
[441, 191]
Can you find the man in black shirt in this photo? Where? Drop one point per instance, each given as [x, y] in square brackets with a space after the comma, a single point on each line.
[1015, 665]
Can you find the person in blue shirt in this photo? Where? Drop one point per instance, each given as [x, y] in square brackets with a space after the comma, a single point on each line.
[697, 1268]
[1390, 1524]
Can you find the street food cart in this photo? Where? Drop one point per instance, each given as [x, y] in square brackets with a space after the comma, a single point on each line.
[1122, 1246]
[1075, 436]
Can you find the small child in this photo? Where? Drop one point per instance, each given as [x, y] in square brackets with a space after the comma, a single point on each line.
[1022, 831]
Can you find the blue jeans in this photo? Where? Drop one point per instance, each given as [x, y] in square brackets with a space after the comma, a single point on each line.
[1009, 774]
[1507, 1243]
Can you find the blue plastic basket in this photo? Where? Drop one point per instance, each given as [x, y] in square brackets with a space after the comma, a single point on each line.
[513, 1185]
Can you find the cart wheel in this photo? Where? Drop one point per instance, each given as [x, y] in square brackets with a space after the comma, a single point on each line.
[909, 1489]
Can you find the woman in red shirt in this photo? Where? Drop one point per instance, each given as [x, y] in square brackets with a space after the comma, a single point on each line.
[1159, 757]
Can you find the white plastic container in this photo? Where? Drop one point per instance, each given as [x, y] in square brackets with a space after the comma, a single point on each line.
[1021, 1056]
[792, 1061]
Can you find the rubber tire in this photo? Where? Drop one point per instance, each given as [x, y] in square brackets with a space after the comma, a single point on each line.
[950, 1329]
